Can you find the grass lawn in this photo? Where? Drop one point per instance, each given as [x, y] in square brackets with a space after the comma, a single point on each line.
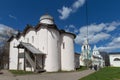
[20, 72]
[107, 73]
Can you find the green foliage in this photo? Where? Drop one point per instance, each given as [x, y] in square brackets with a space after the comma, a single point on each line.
[87, 62]
[107, 73]
[20, 72]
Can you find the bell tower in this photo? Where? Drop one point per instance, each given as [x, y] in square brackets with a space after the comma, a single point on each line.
[85, 52]
[85, 49]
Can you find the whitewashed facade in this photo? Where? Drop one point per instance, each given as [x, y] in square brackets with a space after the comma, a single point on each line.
[114, 59]
[55, 47]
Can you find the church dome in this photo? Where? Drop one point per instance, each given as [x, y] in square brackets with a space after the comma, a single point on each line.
[47, 19]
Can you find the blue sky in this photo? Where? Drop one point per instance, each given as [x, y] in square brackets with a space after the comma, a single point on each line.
[103, 19]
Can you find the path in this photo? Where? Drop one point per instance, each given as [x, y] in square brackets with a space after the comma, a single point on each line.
[49, 76]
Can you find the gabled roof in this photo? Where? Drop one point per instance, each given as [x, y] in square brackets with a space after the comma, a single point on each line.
[10, 39]
[37, 27]
[17, 36]
[46, 25]
[27, 28]
[29, 47]
[53, 26]
[63, 31]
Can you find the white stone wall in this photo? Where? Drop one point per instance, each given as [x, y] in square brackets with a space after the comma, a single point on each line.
[21, 64]
[42, 40]
[21, 60]
[30, 37]
[52, 58]
[112, 62]
[67, 52]
[13, 56]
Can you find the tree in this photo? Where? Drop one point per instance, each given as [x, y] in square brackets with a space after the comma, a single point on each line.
[87, 62]
[5, 34]
[4, 55]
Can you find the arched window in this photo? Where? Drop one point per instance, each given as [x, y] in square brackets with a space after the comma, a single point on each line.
[14, 45]
[84, 47]
[63, 45]
[117, 59]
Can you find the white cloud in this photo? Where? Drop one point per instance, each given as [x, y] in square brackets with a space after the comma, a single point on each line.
[78, 4]
[71, 28]
[113, 45]
[96, 32]
[6, 32]
[11, 16]
[111, 26]
[93, 28]
[75, 30]
[98, 37]
[66, 11]
[115, 41]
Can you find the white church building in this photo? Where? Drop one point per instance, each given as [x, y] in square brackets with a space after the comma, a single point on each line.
[43, 47]
[91, 55]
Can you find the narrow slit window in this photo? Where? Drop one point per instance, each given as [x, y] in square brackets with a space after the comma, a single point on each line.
[63, 45]
[14, 45]
[57, 43]
[32, 39]
[84, 47]
[27, 40]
